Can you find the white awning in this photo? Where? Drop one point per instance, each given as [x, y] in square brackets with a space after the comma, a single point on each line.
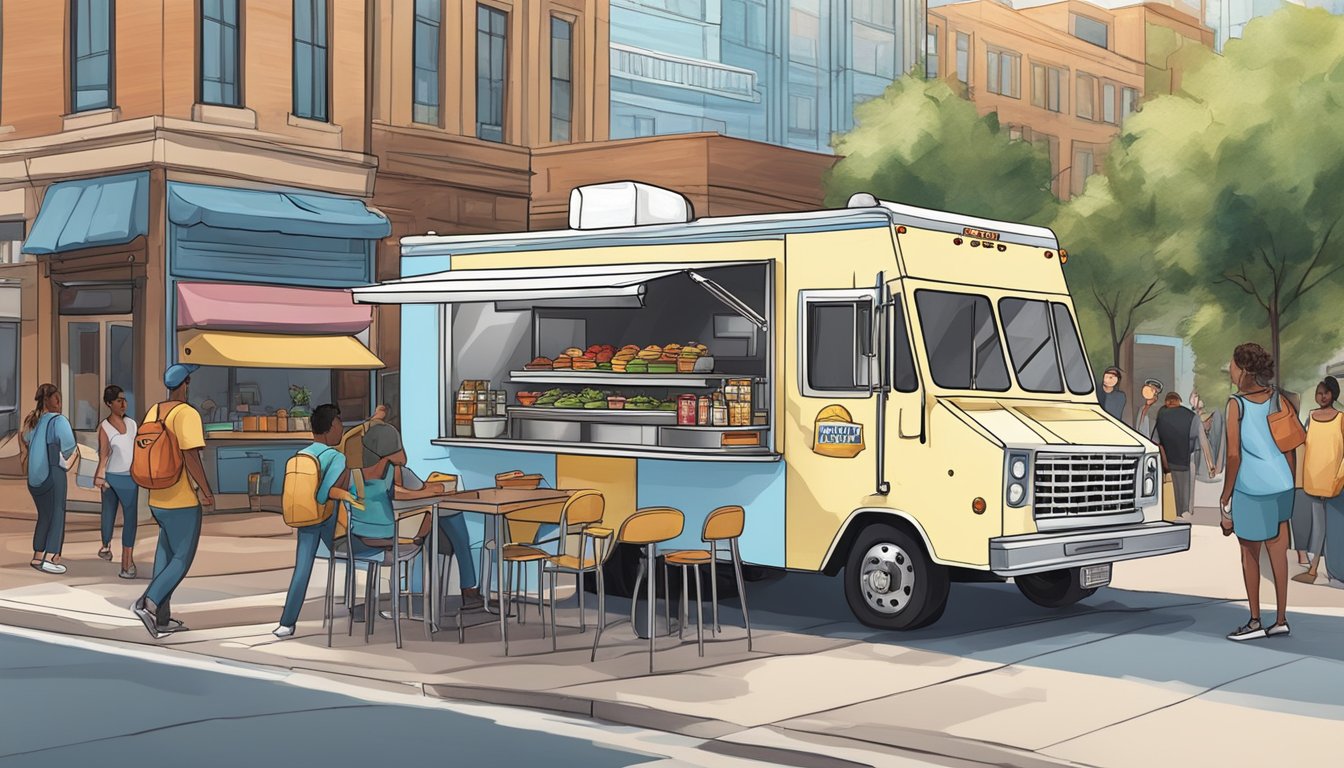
[589, 285]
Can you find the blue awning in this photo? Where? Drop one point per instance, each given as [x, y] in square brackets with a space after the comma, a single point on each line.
[89, 213]
[289, 213]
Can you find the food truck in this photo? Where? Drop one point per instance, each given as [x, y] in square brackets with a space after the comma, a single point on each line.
[894, 394]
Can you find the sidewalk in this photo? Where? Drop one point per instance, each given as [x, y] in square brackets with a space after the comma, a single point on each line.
[1138, 674]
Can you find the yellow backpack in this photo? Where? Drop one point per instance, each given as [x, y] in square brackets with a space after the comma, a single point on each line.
[298, 501]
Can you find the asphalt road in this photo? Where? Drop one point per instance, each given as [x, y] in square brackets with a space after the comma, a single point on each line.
[74, 703]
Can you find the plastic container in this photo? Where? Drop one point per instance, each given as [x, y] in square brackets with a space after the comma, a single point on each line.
[489, 426]
[528, 399]
[616, 403]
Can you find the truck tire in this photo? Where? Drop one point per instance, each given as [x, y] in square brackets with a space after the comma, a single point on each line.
[890, 581]
[1054, 589]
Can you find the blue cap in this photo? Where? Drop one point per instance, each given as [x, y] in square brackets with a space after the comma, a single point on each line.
[176, 374]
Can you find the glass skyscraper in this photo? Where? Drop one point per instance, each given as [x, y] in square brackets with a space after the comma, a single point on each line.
[786, 72]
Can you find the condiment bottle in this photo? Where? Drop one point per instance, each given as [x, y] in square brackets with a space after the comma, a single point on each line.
[686, 410]
[719, 411]
[702, 411]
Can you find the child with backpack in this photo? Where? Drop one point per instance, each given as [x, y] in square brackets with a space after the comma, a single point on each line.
[316, 479]
[166, 459]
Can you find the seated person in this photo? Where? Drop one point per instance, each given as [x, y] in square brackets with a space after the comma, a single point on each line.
[386, 478]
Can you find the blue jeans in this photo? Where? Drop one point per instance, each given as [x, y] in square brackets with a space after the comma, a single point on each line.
[121, 490]
[179, 533]
[304, 555]
[49, 498]
[455, 528]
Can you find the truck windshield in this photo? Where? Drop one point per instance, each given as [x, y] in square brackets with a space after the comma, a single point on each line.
[962, 341]
[1044, 346]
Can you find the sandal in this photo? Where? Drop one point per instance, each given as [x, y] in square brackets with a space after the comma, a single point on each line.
[105, 553]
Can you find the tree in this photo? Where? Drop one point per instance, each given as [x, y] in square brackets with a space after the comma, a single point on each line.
[1243, 171]
[921, 144]
[1117, 262]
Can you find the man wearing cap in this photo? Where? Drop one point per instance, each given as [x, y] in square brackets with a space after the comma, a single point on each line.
[1111, 398]
[177, 508]
[1144, 421]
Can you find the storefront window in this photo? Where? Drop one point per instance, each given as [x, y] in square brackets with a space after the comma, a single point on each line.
[223, 394]
[9, 377]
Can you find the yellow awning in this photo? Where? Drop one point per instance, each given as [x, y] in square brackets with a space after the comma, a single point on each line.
[273, 350]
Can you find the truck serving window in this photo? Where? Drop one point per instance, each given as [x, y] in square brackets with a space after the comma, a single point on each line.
[1031, 343]
[1076, 372]
[962, 341]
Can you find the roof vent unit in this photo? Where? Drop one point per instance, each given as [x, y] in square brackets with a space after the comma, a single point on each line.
[862, 200]
[626, 204]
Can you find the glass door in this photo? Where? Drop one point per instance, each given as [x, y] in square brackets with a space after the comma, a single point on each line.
[96, 352]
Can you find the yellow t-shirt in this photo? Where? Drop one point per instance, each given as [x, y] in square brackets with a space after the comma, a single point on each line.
[185, 424]
[1323, 463]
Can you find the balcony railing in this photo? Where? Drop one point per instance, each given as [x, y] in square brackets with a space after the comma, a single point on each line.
[692, 74]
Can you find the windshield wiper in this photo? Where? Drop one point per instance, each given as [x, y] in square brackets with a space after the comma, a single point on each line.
[1032, 356]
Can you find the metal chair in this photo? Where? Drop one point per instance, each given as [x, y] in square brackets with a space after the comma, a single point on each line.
[723, 526]
[583, 510]
[646, 528]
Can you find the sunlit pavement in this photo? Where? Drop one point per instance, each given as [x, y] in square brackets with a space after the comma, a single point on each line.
[1137, 675]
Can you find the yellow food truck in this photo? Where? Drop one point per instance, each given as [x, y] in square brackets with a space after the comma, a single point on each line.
[894, 394]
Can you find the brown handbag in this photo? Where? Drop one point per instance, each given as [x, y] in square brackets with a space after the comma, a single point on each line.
[1284, 425]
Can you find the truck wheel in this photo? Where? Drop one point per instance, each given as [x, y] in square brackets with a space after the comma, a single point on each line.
[890, 582]
[1054, 589]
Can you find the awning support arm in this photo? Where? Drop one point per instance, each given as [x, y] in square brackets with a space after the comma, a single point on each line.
[729, 300]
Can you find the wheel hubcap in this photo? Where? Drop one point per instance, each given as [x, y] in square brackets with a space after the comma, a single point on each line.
[887, 578]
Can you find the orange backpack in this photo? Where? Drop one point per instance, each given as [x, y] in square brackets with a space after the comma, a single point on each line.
[156, 462]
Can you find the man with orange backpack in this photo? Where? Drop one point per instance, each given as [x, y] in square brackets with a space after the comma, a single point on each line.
[315, 479]
[166, 459]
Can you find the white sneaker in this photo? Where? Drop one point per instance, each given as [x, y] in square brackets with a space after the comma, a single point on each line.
[282, 631]
[49, 567]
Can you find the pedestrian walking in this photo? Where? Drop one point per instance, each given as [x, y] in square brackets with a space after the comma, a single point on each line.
[1257, 498]
[1144, 419]
[1176, 434]
[167, 461]
[1111, 398]
[1323, 470]
[47, 446]
[1213, 437]
[116, 446]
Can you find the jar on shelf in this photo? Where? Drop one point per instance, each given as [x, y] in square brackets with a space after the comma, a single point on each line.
[718, 411]
[702, 414]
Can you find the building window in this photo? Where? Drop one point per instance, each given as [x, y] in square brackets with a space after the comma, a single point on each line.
[645, 126]
[1090, 30]
[1130, 103]
[931, 54]
[221, 49]
[1047, 87]
[691, 9]
[1083, 166]
[491, 75]
[1003, 71]
[1108, 95]
[92, 47]
[311, 83]
[426, 54]
[11, 242]
[562, 79]
[804, 31]
[1086, 96]
[879, 12]
[874, 51]
[802, 115]
[963, 57]
[744, 23]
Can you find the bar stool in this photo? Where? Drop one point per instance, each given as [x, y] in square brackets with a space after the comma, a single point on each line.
[646, 528]
[723, 527]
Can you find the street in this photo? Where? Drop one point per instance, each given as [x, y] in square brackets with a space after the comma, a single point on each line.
[70, 703]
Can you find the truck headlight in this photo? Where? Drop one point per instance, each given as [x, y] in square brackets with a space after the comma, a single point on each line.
[1149, 478]
[1019, 470]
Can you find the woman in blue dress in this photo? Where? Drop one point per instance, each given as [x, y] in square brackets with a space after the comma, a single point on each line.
[1257, 500]
[48, 443]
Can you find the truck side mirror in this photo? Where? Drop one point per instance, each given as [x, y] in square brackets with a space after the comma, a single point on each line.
[863, 331]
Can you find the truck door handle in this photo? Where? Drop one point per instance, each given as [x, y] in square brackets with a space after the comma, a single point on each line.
[900, 425]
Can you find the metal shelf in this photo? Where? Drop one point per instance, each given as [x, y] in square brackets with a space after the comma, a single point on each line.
[609, 415]
[701, 380]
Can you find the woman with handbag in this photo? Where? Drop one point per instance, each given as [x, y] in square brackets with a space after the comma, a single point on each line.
[1263, 434]
[48, 444]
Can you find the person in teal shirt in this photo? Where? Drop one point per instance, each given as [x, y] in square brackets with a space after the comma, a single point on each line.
[327, 431]
[48, 442]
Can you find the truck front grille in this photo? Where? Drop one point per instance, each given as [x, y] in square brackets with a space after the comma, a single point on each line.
[1084, 484]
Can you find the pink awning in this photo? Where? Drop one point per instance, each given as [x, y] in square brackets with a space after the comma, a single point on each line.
[268, 308]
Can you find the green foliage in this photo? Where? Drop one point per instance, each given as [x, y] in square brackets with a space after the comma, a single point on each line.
[919, 143]
[1237, 183]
